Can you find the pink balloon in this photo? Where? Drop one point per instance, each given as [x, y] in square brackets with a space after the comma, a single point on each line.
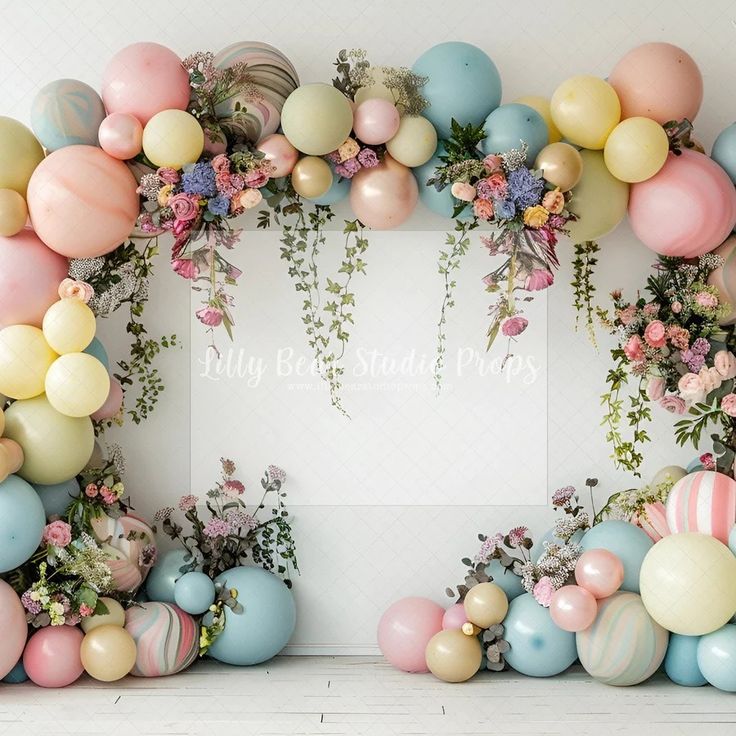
[30, 274]
[376, 121]
[658, 81]
[121, 135]
[82, 202]
[280, 153]
[454, 617]
[143, 79]
[112, 404]
[405, 630]
[687, 209]
[385, 196]
[51, 658]
[573, 608]
[14, 627]
[600, 572]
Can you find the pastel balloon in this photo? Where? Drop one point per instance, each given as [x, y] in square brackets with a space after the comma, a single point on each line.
[404, 632]
[77, 384]
[115, 616]
[732, 540]
[385, 196]
[636, 149]
[97, 350]
[561, 165]
[279, 153]
[717, 658]
[66, 112]
[723, 277]
[454, 617]
[440, 202]
[13, 454]
[671, 473]
[508, 125]
[339, 190]
[194, 592]
[30, 274]
[681, 661]
[677, 592]
[505, 579]
[161, 581]
[52, 656]
[462, 83]
[14, 627]
[658, 81]
[724, 151]
[20, 154]
[121, 135]
[376, 89]
[108, 653]
[166, 638]
[82, 202]
[687, 209]
[112, 404]
[311, 177]
[17, 674]
[376, 121]
[25, 357]
[573, 608]
[486, 604]
[599, 200]
[55, 447]
[143, 79]
[453, 656]
[415, 141]
[56, 497]
[653, 521]
[69, 326]
[173, 138]
[624, 646]
[542, 106]
[13, 212]
[316, 118]
[600, 572]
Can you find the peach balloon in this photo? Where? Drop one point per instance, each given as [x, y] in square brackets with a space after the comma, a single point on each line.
[121, 135]
[280, 153]
[112, 404]
[376, 121]
[83, 203]
[454, 617]
[600, 572]
[52, 656]
[30, 274]
[14, 453]
[14, 627]
[143, 79]
[573, 608]
[384, 196]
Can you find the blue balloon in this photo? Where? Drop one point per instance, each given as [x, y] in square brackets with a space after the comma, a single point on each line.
[17, 674]
[97, 350]
[505, 579]
[22, 520]
[732, 540]
[162, 578]
[717, 658]
[265, 625]
[194, 592]
[628, 542]
[441, 203]
[549, 536]
[507, 126]
[57, 497]
[694, 466]
[538, 648]
[681, 661]
[336, 193]
[724, 151]
[463, 83]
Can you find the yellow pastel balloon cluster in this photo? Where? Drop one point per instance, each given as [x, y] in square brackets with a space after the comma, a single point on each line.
[108, 651]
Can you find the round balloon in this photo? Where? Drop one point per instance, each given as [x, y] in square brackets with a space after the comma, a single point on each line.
[22, 520]
[279, 153]
[52, 656]
[339, 190]
[542, 106]
[454, 617]
[108, 653]
[681, 661]
[508, 125]
[573, 608]
[440, 202]
[453, 656]
[20, 154]
[194, 592]
[486, 604]
[717, 658]
[17, 674]
[77, 384]
[13, 212]
[376, 121]
[121, 135]
[173, 139]
[112, 404]
[561, 165]
[600, 572]
[723, 277]
[670, 473]
[57, 496]
[415, 141]
[69, 326]
[115, 616]
[161, 581]
[636, 149]
[311, 177]
[97, 350]
[724, 151]
[14, 627]
[505, 579]
[25, 358]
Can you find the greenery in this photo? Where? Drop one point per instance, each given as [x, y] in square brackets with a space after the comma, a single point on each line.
[584, 265]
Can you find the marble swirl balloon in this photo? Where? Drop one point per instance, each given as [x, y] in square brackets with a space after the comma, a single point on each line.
[167, 639]
[624, 646]
[274, 78]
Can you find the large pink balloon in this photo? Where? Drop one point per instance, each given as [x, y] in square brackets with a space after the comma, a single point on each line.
[385, 196]
[112, 404]
[600, 572]
[573, 608]
[82, 202]
[405, 630]
[687, 209]
[30, 274]
[52, 658]
[143, 79]
[14, 627]
[658, 81]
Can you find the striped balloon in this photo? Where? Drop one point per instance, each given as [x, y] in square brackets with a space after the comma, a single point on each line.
[724, 278]
[653, 520]
[624, 646]
[167, 639]
[703, 502]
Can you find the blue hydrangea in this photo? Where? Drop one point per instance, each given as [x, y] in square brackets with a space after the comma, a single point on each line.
[504, 209]
[219, 205]
[525, 190]
[200, 179]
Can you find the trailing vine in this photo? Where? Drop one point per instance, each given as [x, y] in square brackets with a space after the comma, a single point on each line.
[584, 265]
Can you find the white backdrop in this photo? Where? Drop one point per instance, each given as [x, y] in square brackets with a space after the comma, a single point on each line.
[358, 549]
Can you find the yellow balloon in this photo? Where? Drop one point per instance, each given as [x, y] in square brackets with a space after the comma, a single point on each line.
[376, 90]
[585, 109]
[599, 200]
[636, 149]
[115, 616]
[486, 604]
[672, 473]
[20, 153]
[108, 653]
[173, 138]
[311, 177]
[415, 141]
[77, 384]
[453, 656]
[69, 326]
[688, 583]
[25, 356]
[561, 165]
[55, 447]
[13, 212]
[542, 106]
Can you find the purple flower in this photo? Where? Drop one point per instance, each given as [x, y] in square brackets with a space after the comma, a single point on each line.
[33, 607]
[219, 205]
[216, 527]
[694, 361]
[505, 209]
[562, 495]
[701, 346]
[188, 502]
[200, 179]
[275, 473]
[489, 546]
[524, 188]
[348, 169]
[517, 536]
[367, 158]
[240, 520]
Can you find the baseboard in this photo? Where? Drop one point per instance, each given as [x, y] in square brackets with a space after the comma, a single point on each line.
[332, 650]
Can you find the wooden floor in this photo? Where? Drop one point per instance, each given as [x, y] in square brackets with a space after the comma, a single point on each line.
[360, 695]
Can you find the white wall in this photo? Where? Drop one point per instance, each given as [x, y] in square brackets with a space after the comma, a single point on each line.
[359, 552]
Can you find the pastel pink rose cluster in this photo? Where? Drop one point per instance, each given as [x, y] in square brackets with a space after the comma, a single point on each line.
[695, 387]
[57, 534]
[72, 289]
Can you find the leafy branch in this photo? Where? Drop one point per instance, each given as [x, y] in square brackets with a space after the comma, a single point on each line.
[582, 283]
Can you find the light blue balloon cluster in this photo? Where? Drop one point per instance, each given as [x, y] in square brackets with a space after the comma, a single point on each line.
[194, 592]
[22, 519]
[717, 658]
[161, 581]
[681, 661]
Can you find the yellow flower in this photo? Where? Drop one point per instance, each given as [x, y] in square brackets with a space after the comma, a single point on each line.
[535, 216]
[163, 194]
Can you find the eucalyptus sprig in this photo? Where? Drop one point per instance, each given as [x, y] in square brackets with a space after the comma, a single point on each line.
[584, 265]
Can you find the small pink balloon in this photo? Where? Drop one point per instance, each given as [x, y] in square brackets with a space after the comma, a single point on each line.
[376, 121]
[573, 608]
[30, 274]
[687, 209]
[121, 135]
[14, 627]
[600, 572]
[112, 404]
[282, 155]
[15, 454]
[143, 79]
[51, 657]
[405, 630]
[454, 617]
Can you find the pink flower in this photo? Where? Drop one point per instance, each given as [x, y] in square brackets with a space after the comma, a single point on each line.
[463, 191]
[626, 315]
[71, 289]
[233, 488]
[725, 363]
[221, 164]
[678, 336]
[655, 388]
[246, 199]
[185, 267]
[168, 175]
[711, 379]
[57, 533]
[255, 179]
[517, 536]
[676, 307]
[706, 300]
[554, 201]
[224, 184]
[707, 461]
[184, 206]
[654, 334]
[691, 388]
[543, 591]
[728, 405]
[483, 208]
[492, 162]
[188, 502]
[216, 527]
[85, 610]
[210, 316]
[673, 404]
[497, 185]
[633, 349]
[514, 326]
[538, 279]
[108, 496]
[651, 309]
[91, 491]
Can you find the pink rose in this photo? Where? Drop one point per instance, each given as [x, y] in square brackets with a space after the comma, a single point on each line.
[707, 461]
[728, 405]
[57, 533]
[483, 209]
[655, 388]
[626, 315]
[185, 267]
[71, 289]
[725, 363]
[91, 490]
[691, 388]
[554, 201]
[711, 379]
[108, 496]
[497, 185]
[538, 279]
[255, 179]
[168, 175]
[655, 334]
[184, 206]
[543, 591]
[633, 349]
[514, 326]
[463, 191]
[676, 307]
[673, 404]
[210, 316]
[492, 162]
[651, 309]
[221, 164]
